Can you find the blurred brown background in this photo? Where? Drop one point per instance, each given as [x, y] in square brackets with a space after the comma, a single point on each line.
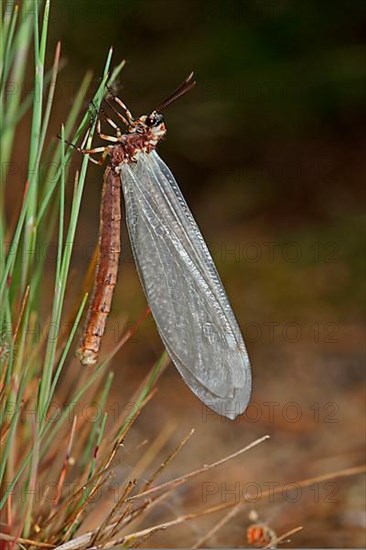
[269, 152]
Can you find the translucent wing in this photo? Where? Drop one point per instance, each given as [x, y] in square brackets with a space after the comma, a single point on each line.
[183, 288]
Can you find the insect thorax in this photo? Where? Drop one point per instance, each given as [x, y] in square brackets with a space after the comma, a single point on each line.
[140, 138]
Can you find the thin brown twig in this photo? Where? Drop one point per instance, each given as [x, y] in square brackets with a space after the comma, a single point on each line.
[137, 513]
[85, 539]
[168, 460]
[216, 528]
[75, 515]
[120, 437]
[100, 473]
[20, 316]
[21, 312]
[149, 531]
[170, 485]
[152, 450]
[284, 536]
[108, 519]
[115, 437]
[205, 468]
[99, 477]
[128, 489]
[11, 538]
[74, 495]
[66, 462]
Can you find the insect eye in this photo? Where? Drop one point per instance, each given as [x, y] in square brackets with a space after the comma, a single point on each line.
[154, 119]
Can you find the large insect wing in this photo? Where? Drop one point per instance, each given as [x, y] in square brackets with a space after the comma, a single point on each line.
[230, 405]
[182, 286]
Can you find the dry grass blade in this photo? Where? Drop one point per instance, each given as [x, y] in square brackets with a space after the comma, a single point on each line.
[108, 520]
[28, 542]
[137, 513]
[94, 484]
[138, 517]
[21, 312]
[120, 437]
[152, 451]
[15, 334]
[105, 465]
[182, 479]
[149, 531]
[283, 537]
[139, 400]
[166, 487]
[76, 515]
[85, 539]
[168, 460]
[216, 528]
[66, 462]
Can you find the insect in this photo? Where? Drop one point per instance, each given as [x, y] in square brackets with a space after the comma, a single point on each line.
[179, 278]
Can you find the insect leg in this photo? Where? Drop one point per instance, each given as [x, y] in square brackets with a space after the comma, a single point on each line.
[83, 151]
[114, 139]
[111, 123]
[103, 150]
[121, 104]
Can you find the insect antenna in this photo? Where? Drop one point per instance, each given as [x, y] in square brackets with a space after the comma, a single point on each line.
[183, 88]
